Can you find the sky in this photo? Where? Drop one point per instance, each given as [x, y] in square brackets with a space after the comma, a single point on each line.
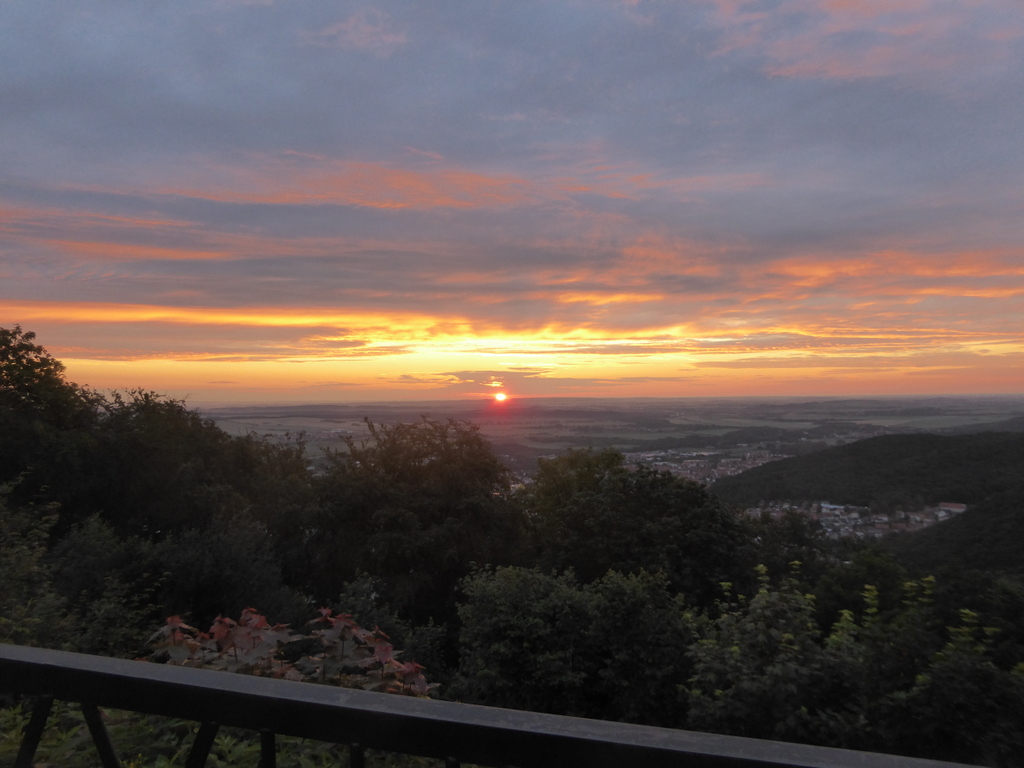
[285, 201]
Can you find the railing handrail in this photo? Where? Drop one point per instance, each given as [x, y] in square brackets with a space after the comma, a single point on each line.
[430, 728]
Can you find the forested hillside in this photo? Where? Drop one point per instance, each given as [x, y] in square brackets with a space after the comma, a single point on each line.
[990, 533]
[890, 470]
[984, 470]
[596, 589]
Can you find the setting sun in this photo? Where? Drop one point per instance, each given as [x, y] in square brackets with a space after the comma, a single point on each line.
[500, 397]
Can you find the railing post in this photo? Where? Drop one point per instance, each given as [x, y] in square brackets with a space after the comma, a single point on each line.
[33, 732]
[268, 749]
[100, 737]
[202, 745]
[356, 756]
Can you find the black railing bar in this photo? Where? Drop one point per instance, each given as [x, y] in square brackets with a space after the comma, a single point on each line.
[356, 756]
[444, 730]
[33, 732]
[268, 749]
[100, 737]
[202, 744]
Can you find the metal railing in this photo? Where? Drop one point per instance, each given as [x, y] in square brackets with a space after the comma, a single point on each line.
[448, 731]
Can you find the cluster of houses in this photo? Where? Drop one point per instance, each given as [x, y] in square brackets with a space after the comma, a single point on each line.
[704, 467]
[840, 520]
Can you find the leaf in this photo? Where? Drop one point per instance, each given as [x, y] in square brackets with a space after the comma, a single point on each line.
[252, 646]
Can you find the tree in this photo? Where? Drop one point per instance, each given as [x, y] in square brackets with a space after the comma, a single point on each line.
[415, 505]
[221, 569]
[962, 707]
[761, 671]
[32, 383]
[524, 641]
[162, 468]
[44, 419]
[613, 649]
[31, 612]
[842, 586]
[109, 584]
[594, 514]
[793, 537]
[641, 633]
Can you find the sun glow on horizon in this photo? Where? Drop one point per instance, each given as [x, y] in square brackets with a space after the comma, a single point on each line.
[316, 354]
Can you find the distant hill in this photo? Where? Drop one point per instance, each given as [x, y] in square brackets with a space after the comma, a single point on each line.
[1014, 424]
[984, 471]
[890, 470]
[989, 536]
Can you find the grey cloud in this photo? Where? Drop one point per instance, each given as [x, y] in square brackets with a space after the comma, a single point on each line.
[603, 111]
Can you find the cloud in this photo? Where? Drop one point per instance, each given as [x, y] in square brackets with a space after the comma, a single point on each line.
[647, 300]
[518, 383]
[856, 39]
[435, 380]
[584, 193]
[368, 30]
[290, 179]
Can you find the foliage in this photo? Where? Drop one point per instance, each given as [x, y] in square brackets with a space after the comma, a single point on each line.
[44, 420]
[430, 644]
[163, 469]
[793, 537]
[841, 587]
[343, 653]
[560, 480]
[222, 568]
[32, 383]
[144, 506]
[614, 648]
[888, 682]
[31, 612]
[593, 514]
[415, 506]
[640, 632]
[109, 584]
[524, 641]
[117, 586]
[962, 707]
[761, 671]
[996, 600]
[146, 464]
[890, 471]
[989, 535]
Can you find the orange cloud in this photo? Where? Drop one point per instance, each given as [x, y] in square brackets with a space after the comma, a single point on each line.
[463, 335]
[629, 181]
[122, 252]
[853, 39]
[907, 273]
[67, 312]
[294, 178]
[385, 353]
[597, 299]
[299, 180]
[101, 237]
[48, 221]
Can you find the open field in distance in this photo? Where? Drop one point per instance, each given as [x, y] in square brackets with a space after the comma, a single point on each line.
[736, 431]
